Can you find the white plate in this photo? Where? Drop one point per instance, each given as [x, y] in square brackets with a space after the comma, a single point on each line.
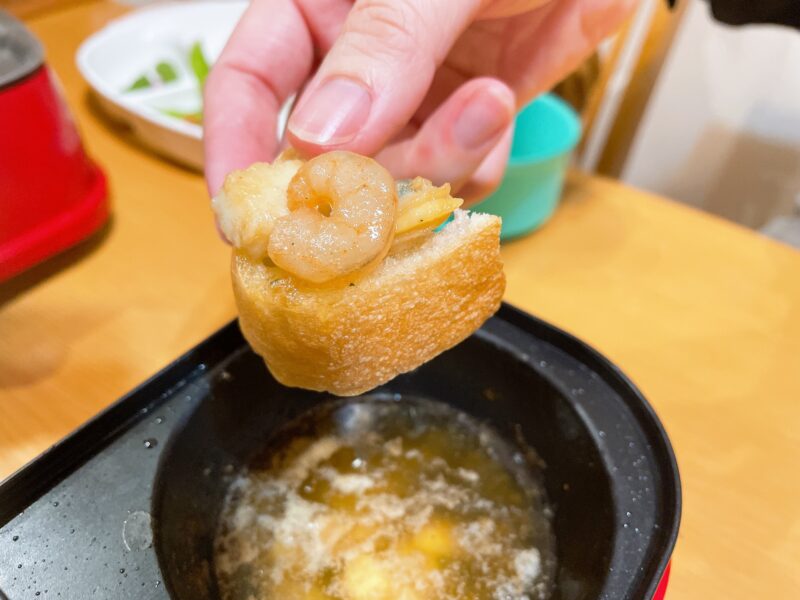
[112, 58]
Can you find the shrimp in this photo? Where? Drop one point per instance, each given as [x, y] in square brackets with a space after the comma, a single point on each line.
[342, 211]
[252, 200]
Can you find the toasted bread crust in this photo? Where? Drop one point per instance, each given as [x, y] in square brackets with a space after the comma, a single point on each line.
[352, 338]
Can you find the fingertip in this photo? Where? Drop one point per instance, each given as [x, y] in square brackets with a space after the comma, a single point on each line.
[240, 123]
[330, 114]
[376, 74]
[214, 180]
[456, 139]
[267, 58]
[487, 110]
[489, 174]
[500, 90]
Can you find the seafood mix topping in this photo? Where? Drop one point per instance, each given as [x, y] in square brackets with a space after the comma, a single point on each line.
[337, 214]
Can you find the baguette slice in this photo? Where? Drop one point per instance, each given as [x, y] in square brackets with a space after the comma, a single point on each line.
[350, 339]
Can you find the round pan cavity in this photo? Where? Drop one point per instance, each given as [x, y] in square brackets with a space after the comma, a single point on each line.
[609, 472]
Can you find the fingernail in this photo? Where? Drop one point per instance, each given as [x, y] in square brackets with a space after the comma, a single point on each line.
[333, 114]
[483, 119]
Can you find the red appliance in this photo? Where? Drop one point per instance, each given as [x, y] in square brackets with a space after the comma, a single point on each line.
[51, 194]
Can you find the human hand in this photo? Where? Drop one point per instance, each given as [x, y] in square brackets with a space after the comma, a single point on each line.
[429, 87]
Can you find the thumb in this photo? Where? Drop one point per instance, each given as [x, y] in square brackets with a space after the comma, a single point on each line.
[377, 73]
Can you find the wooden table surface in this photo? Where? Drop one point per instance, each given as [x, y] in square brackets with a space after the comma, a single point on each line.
[703, 315]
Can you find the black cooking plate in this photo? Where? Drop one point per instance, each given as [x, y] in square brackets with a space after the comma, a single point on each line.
[126, 507]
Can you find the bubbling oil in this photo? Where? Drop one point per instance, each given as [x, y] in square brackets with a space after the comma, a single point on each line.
[377, 499]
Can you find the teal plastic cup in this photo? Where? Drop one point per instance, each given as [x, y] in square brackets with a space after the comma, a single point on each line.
[545, 134]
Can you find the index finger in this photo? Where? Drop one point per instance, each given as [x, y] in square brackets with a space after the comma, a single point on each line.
[267, 58]
[377, 73]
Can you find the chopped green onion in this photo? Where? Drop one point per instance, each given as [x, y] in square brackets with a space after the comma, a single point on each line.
[199, 64]
[191, 116]
[166, 71]
[140, 84]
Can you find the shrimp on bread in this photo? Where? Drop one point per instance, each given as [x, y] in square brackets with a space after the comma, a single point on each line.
[343, 278]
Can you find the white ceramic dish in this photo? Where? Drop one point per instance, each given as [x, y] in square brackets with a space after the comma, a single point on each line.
[112, 58]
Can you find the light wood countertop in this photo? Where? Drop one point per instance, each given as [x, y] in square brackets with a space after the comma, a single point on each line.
[703, 315]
